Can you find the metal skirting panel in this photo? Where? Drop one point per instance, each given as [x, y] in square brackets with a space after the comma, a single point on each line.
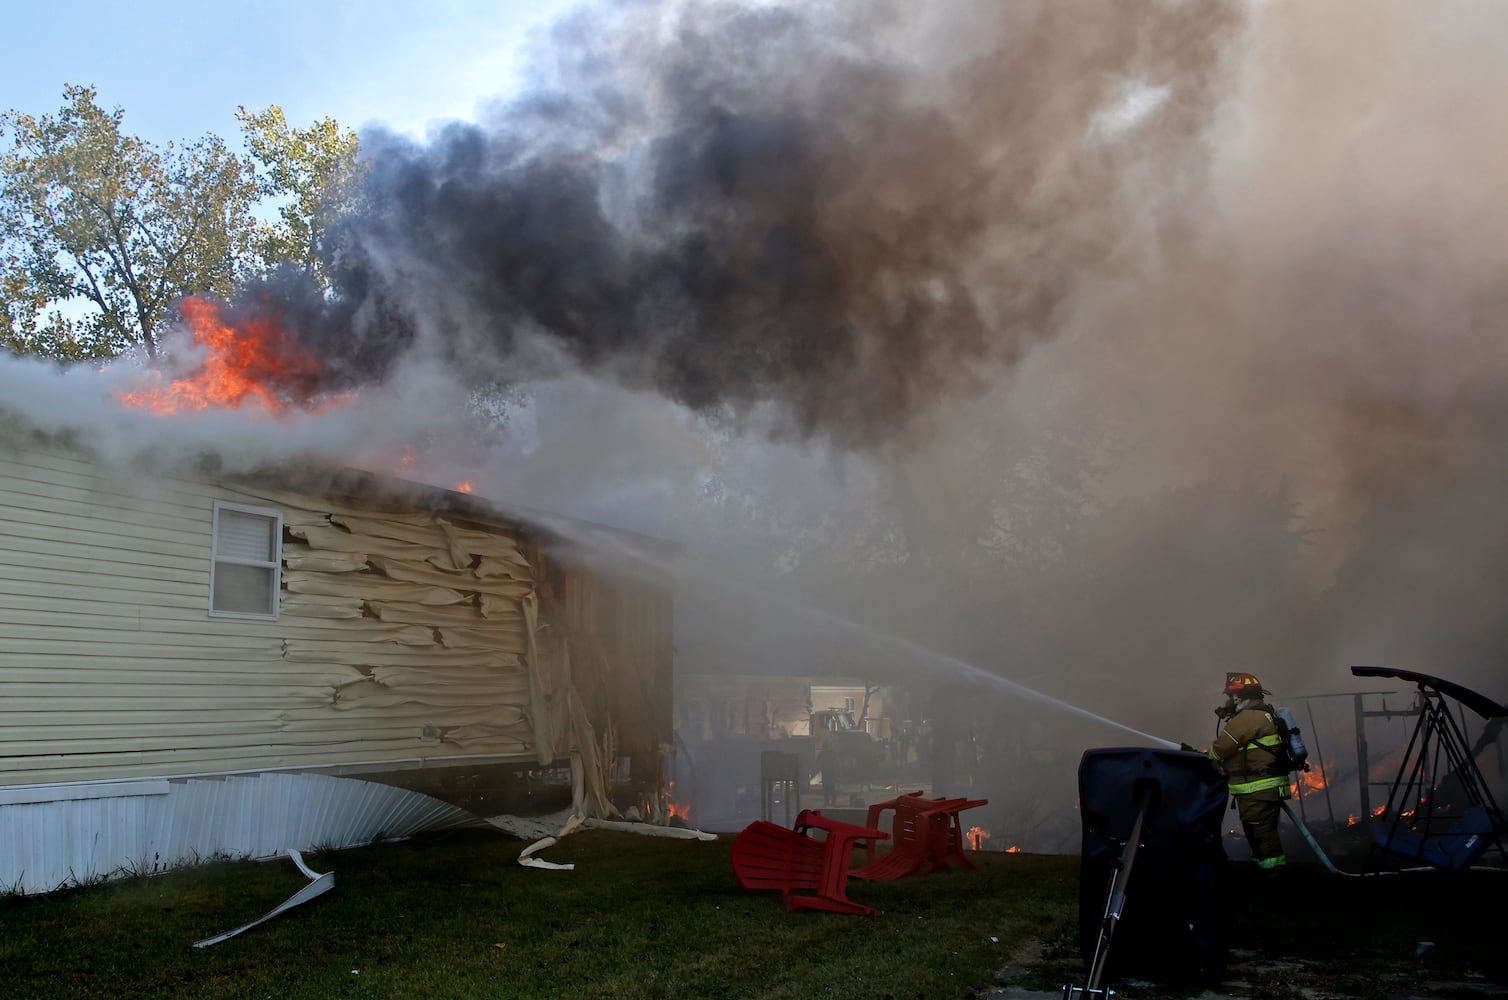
[71, 841]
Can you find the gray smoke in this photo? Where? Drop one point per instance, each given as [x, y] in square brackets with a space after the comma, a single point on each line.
[1166, 347]
[1256, 428]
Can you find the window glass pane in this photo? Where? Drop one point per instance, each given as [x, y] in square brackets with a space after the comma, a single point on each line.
[243, 590]
[244, 536]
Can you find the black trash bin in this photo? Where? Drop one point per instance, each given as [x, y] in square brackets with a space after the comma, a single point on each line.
[1168, 929]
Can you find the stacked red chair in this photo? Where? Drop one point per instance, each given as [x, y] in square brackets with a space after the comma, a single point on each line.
[927, 836]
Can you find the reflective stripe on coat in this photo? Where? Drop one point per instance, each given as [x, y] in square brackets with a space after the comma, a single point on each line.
[1246, 749]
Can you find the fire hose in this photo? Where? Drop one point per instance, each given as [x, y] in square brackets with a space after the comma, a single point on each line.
[1314, 844]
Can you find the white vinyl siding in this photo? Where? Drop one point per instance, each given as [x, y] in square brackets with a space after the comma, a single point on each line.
[245, 563]
[111, 667]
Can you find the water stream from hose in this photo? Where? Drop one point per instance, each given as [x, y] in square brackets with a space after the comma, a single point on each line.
[592, 539]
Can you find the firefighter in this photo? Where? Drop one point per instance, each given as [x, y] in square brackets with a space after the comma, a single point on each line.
[1247, 747]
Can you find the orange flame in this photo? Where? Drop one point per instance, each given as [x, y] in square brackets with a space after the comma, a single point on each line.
[1013, 849]
[463, 487]
[1379, 810]
[977, 835]
[674, 809]
[255, 364]
[1314, 780]
[1353, 819]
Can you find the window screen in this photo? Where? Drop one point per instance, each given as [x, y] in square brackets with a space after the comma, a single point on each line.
[246, 562]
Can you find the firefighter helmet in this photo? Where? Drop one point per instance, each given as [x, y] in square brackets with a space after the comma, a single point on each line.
[1243, 685]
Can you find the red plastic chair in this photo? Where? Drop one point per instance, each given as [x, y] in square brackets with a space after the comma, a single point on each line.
[811, 873]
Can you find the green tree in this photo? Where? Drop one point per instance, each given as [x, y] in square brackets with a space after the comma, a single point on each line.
[314, 172]
[28, 327]
[102, 223]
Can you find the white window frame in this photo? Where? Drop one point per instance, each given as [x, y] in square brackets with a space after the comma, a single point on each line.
[275, 563]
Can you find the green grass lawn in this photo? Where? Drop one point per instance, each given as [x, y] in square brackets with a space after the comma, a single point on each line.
[454, 916]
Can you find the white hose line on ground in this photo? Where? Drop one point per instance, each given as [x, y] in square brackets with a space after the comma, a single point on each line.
[578, 822]
[318, 886]
[651, 830]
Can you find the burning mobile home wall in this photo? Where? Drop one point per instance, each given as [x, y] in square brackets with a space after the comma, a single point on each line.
[409, 630]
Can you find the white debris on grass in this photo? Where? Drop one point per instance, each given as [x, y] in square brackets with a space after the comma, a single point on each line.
[546, 831]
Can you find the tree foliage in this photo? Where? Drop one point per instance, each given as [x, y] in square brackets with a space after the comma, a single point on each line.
[28, 326]
[105, 224]
[101, 232]
[314, 172]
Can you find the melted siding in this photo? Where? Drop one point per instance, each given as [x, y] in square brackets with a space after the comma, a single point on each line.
[401, 636]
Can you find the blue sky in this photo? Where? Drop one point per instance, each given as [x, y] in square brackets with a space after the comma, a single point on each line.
[180, 69]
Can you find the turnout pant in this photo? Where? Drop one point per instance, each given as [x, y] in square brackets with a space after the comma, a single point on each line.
[1259, 813]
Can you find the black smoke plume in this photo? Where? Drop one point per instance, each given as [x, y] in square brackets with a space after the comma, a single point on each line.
[843, 211]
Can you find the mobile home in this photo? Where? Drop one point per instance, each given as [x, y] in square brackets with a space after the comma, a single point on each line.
[195, 664]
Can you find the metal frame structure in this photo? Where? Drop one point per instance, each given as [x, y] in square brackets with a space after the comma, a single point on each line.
[1438, 751]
